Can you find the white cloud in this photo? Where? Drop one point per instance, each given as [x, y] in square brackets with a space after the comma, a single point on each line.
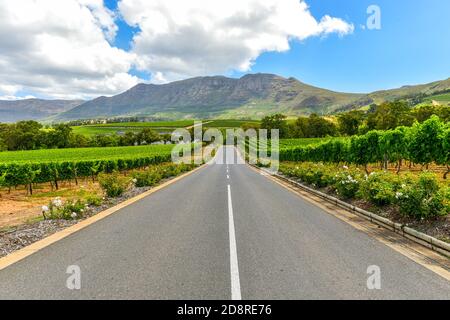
[64, 48]
[198, 37]
[14, 98]
[61, 49]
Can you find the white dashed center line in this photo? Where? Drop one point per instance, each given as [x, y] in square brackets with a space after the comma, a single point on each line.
[234, 268]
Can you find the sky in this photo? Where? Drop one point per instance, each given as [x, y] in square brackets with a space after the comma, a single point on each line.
[82, 49]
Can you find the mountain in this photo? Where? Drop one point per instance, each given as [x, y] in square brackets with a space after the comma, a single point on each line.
[33, 109]
[252, 95]
[415, 94]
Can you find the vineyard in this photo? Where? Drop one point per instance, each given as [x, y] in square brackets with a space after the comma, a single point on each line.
[229, 123]
[114, 128]
[423, 144]
[31, 167]
[300, 142]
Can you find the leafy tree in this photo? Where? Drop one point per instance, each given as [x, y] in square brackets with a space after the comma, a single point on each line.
[300, 128]
[424, 113]
[102, 140]
[128, 139]
[390, 115]
[78, 141]
[23, 135]
[148, 136]
[349, 122]
[312, 127]
[62, 134]
[276, 121]
[320, 127]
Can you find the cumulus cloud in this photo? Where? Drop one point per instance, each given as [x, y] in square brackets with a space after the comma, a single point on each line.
[65, 48]
[178, 39]
[60, 49]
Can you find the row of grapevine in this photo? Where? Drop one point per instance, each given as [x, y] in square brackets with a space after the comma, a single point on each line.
[423, 144]
[15, 174]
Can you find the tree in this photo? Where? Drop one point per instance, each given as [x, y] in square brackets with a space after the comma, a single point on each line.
[62, 134]
[250, 125]
[78, 141]
[319, 127]
[148, 136]
[300, 128]
[276, 121]
[390, 115]
[102, 140]
[128, 139]
[349, 122]
[23, 135]
[424, 113]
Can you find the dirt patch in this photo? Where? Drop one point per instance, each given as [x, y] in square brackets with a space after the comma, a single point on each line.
[18, 207]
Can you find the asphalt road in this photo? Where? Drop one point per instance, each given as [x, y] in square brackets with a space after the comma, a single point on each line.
[222, 232]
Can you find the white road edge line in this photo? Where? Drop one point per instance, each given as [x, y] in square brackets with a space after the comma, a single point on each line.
[234, 267]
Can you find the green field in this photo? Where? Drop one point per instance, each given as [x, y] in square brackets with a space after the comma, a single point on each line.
[439, 98]
[228, 123]
[300, 142]
[122, 127]
[158, 124]
[59, 155]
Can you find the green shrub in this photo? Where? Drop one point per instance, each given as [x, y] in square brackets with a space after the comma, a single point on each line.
[347, 184]
[379, 188]
[70, 210]
[155, 174]
[423, 198]
[146, 178]
[114, 184]
[93, 200]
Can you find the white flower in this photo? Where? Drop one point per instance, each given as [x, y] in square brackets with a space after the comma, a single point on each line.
[345, 167]
[57, 202]
[82, 210]
[134, 180]
[45, 209]
[403, 186]
[73, 215]
[398, 195]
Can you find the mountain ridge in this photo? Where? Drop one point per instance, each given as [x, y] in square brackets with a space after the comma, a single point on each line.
[251, 96]
[214, 96]
[33, 109]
